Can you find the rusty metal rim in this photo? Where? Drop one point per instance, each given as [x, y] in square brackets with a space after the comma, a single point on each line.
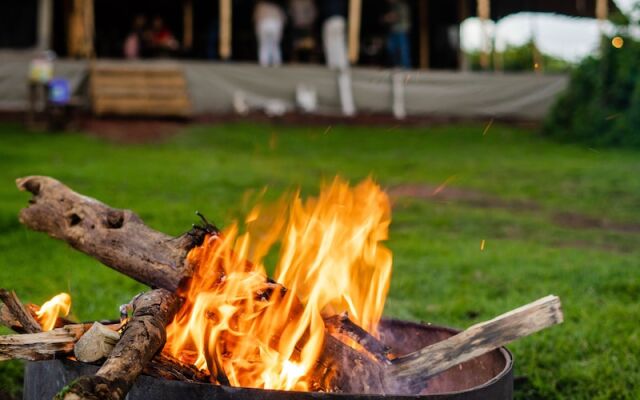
[508, 356]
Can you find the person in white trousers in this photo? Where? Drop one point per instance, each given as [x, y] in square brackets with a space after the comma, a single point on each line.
[335, 50]
[269, 19]
[335, 46]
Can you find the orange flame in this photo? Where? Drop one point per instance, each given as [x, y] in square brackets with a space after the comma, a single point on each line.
[237, 323]
[52, 309]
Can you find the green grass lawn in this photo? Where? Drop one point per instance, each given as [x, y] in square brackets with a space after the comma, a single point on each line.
[440, 274]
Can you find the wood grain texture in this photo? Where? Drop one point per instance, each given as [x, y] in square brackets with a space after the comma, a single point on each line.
[143, 337]
[21, 314]
[41, 346]
[117, 238]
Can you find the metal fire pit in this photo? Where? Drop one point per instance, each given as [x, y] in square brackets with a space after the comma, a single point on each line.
[486, 377]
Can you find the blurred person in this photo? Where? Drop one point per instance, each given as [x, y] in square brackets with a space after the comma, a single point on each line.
[135, 44]
[398, 43]
[162, 39]
[269, 19]
[303, 17]
[333, 33]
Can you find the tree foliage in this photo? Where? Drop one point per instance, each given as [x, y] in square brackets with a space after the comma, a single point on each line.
[601, 106]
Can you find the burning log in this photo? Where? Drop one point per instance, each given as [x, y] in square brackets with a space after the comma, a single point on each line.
[15, 315]
[339, 325]
[117, 238]
[142, 339]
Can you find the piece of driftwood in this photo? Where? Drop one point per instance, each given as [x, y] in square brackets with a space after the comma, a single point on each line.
[48, 345]
[97, 343]
[117, 238]
[22, 319]
[143, 337]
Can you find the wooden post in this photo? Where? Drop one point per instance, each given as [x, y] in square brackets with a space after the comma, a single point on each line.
[424, 34]
[89, 29]
[484, 13]
[187, 24]
[45, 23]
[602, 14]
[355, 17]
[463, 14]
[225, 29]
[81, 29]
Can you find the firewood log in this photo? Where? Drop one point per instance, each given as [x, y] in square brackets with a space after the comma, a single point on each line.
[143, 337]
[22, 319]
[56, 343]
[117, 238]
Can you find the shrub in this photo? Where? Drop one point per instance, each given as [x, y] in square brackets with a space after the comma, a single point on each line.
[601, 106]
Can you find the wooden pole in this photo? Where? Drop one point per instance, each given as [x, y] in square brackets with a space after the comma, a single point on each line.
[484, 13]
[88, 29]
[602, 14]
[187, 36]
[425, 48]
[45, 23]
[225, 29]
[463, 14]
[355, 17]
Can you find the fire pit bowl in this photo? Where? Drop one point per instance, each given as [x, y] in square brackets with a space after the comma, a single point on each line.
[486, 377]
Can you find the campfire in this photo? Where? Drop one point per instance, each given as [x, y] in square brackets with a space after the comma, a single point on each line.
[216, 317]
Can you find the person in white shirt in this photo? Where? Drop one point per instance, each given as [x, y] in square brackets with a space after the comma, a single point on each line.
[269, 19]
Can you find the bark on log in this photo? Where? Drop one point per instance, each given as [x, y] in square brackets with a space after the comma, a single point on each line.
[9, 320]
[143, 337]
[117, 238]
[25, 320]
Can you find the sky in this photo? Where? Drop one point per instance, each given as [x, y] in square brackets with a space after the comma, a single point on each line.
[565, 37]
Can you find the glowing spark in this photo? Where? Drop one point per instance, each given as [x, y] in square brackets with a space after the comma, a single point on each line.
[617, 42]
[486, 129]
[443, 185]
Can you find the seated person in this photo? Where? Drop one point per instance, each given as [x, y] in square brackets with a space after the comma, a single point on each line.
[162, 40]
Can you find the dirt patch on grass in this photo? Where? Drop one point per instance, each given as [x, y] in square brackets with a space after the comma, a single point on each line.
[581, 221]
[133, 130]
[473, 198]
[470, 197]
